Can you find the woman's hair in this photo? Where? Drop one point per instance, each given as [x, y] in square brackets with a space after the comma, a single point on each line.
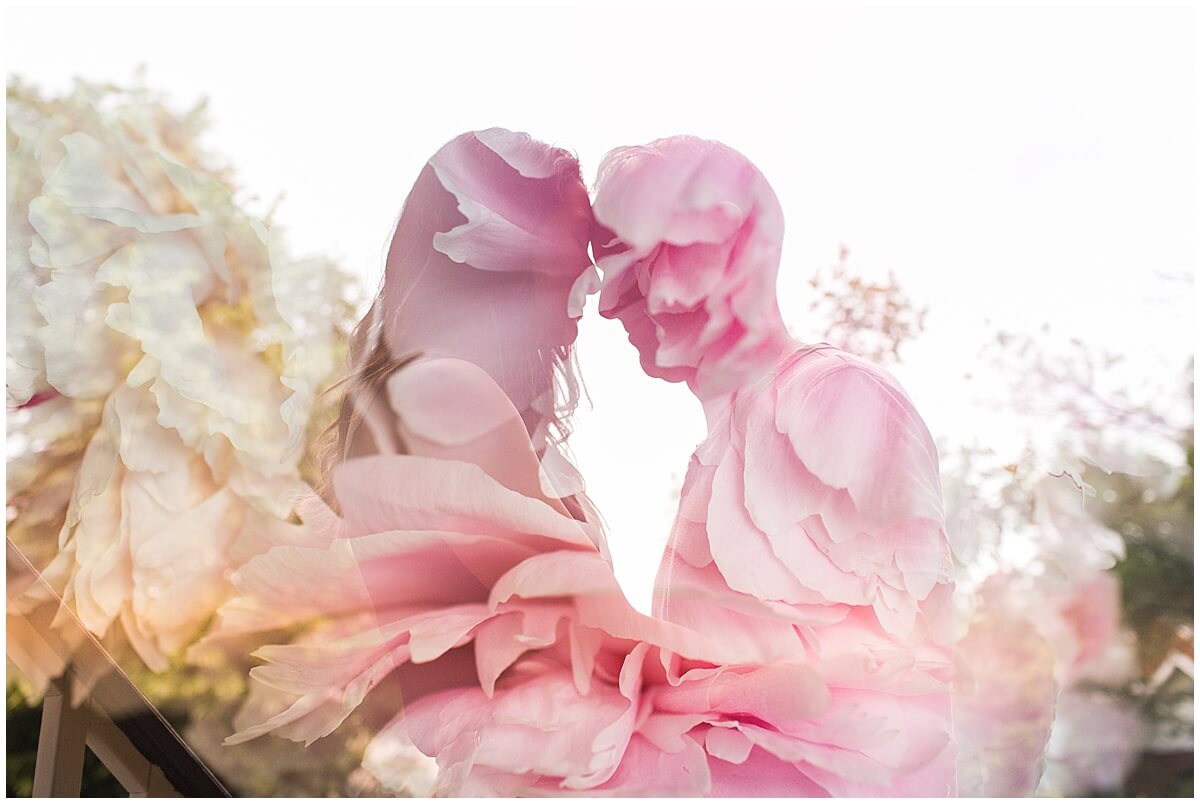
[457, 284]
[369, 365]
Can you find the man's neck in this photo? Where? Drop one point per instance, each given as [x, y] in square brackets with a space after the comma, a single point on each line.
[717, 381]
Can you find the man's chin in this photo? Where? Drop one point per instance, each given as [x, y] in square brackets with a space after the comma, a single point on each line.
[647, 357]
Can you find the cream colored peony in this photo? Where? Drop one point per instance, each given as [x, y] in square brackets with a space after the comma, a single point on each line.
[163, 357]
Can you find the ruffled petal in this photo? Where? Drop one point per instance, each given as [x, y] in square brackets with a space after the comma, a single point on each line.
[484, 262]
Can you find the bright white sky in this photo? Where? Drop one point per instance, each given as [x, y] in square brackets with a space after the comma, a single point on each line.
[1022, 165]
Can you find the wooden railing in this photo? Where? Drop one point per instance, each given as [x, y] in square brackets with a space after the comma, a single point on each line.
[90, 703]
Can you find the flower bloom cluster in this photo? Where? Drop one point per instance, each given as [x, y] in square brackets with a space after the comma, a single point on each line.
[163, 357]
[798, 644]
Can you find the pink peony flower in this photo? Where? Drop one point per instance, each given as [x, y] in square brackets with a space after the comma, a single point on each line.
[1005, 691]
[1036, 641]
[801, 602]
[810, 530]
[165, 355]
[818, 489]
[491, 240]
[1095, 745]
[689, 240]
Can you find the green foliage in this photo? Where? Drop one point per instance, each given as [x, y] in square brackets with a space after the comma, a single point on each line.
[1157, 589]
[1158, 571]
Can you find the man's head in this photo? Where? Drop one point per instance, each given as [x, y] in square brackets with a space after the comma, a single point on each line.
[688, 241]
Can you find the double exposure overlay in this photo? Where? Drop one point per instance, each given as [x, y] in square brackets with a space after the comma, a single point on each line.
[284, 527]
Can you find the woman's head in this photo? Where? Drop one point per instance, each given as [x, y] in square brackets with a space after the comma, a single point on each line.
[483, 257]
[488, 245]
